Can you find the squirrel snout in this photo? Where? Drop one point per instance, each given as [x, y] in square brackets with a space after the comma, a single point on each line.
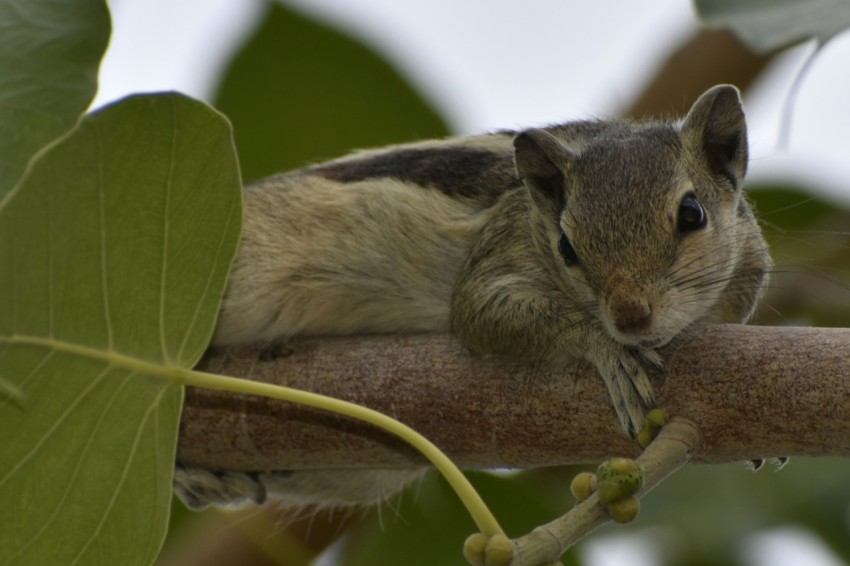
[630, 314]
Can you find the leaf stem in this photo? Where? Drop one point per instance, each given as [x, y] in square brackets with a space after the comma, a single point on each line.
[476, 507]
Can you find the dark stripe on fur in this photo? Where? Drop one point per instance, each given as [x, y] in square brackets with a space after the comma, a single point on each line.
[458, 172]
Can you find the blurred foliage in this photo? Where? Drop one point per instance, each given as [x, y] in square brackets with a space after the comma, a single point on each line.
[300, 92]
[810, 244]
[765, 25]
[428, 525]
[49, 55]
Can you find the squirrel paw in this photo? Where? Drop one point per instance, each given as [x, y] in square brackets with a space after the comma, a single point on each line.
[648, 357]
[628, 384]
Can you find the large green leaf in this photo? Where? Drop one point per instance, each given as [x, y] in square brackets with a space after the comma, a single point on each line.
[765, 25]
[50, 51]
[113, 256]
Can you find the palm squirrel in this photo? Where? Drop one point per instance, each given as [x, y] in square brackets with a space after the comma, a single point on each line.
[594, 240]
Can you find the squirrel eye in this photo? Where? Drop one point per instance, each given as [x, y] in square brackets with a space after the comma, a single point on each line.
[691, 214]
[567, 251]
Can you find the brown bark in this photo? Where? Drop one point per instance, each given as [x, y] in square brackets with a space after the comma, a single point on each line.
[752, 392]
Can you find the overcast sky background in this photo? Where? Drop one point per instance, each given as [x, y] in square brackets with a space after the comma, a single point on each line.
[502, 63]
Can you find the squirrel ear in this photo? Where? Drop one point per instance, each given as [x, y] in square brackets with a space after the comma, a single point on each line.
[541, 161]
[715, 128]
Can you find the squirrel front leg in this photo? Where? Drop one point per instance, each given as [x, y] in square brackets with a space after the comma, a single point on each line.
[515, 315]
[622, 368]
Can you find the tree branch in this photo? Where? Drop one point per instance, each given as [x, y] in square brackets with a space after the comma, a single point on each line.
[752, 392]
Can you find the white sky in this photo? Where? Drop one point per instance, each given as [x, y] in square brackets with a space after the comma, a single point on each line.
[502, 63]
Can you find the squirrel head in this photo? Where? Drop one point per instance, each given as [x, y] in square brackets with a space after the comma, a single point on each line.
[643, 220]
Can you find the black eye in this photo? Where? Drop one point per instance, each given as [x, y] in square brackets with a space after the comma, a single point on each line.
[567, 251]
[691, 214]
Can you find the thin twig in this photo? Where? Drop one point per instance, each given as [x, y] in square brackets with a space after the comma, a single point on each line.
[673, 448]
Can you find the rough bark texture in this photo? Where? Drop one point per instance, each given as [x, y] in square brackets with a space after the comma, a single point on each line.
[752, 391]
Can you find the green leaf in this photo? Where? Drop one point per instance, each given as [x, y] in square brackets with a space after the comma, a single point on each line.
[50, 51]
[765, 25]
[300, 92]
[113, 256]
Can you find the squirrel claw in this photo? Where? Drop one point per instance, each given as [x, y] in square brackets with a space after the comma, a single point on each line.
[778, 462]
[649, 357]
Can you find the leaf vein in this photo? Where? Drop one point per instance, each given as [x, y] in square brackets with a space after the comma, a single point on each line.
[25, 380]
[50, 431]
[79, 464]
[124, 473]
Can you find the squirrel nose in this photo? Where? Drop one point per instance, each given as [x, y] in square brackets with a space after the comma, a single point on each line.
[631, 315]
